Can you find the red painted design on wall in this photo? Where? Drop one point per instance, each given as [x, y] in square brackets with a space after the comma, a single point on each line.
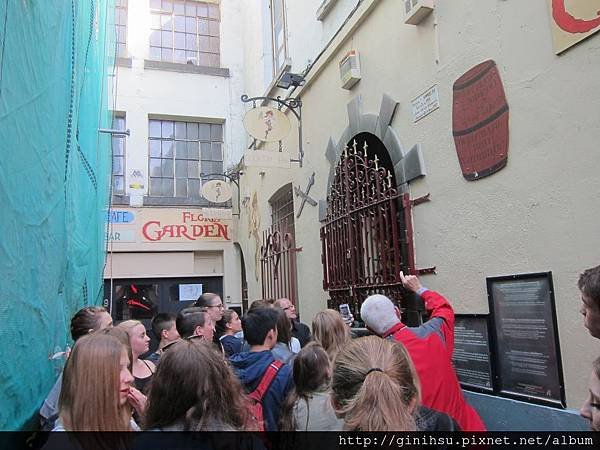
[568, 22]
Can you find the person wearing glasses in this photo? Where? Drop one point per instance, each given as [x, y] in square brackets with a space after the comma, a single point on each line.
[215, 308]
[299, 330]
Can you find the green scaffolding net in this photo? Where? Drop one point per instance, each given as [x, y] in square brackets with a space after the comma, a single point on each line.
[56, 66]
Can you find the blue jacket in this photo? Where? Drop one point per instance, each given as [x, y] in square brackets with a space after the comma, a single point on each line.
[249, 368]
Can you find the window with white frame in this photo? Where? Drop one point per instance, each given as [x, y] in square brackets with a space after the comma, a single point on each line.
[185, 31]
[118, 157]
[121, 27]
[279, 34]
[179, 153]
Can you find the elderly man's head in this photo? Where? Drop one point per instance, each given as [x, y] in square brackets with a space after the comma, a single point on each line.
[379, 313]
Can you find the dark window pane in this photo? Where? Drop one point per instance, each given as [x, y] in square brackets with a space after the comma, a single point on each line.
[213, 28]
[194, 188]
[213, 11]
[180, 40]
[167, 149]
[166, 23]
[192, 131]
[205, 150]
[119, 123]
[218, 166]
[167, 187]
[202, 9]
[178, 7]
[155, 38]
[214, 60]
[181, 187]
[204, 44]
[203, 26]
[117, 146]
[167, 129]
[118, 185]
[193, 169]
[155, 170]
[154, 145]
[193, 148]
[167, 167]
[190, 42]
[179, 23]
[181, 150]
[155, 53]
[180, 132]
[204, 132]
[214, 44]
[190, 8]
[204, 60]
[181, 168]
[206, 167]
[216, 132]
[166, 55]
[117, 166]
[154, 128]
[216, 153]
[155, 186]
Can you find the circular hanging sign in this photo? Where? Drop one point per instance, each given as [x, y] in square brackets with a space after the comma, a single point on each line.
[216, 191]
[267, 124]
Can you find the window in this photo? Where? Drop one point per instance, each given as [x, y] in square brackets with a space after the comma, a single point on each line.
[282, 209]
[118, 157]
[279, 34]
[179, 152]
[121, 27]
[185, 31]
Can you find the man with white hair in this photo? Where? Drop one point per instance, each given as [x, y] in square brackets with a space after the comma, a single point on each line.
[430, 347]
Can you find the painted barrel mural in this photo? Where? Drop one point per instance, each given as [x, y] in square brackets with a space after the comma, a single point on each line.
[480, 121]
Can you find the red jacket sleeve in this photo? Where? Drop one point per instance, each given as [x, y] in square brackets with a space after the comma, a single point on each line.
[438, 306]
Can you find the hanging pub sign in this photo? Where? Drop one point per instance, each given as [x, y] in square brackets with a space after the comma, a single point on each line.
[480, 121]
[216, 191]
[267, 124]
[572, 21]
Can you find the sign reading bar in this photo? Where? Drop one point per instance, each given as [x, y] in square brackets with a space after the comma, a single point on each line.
[263, 158]
[526, 338]
[471, 358]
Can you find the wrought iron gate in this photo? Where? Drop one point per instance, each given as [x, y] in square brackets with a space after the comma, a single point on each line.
[365, 238]
[278, 263]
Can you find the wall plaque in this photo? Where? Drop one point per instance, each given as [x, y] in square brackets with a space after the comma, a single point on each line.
[471, 358]
[480, 121]
[526, 346]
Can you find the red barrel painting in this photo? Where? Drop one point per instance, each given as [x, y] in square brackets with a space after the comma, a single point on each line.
[480, 121]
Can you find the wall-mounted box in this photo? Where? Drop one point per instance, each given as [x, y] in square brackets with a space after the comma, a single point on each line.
[417, 10]
[350, 69]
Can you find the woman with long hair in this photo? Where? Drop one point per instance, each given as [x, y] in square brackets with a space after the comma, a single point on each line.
[283, 348]
[374, 386]
[142, 370]
[308, 405]
[227, 328]
[194, 389]
[330, 331]
[95, 387]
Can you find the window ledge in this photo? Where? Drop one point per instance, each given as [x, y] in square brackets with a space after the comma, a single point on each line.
[186, 68]
[325, 8]
[123, 62]
[120, 200]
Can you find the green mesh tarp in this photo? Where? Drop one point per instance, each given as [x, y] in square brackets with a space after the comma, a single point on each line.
[56, 58]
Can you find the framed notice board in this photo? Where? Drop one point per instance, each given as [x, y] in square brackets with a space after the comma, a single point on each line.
[472, 358]
[525, 345]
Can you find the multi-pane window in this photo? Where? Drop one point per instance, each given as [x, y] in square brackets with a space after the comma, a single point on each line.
[118, 158]
[279, 34]
[179, 153]
[282, 209]
[121, 27]
[185, 31]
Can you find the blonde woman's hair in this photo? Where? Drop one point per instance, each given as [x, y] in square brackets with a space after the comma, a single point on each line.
[89, 396]
[374, 386]
[330, 331]
[128, 325]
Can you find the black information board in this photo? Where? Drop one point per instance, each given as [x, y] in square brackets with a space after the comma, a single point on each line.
[471, 357]
[525, 335]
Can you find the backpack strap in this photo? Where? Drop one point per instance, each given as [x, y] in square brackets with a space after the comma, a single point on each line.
[265, 382]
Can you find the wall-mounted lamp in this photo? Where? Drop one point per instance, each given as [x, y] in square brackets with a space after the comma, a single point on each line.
[288, 79]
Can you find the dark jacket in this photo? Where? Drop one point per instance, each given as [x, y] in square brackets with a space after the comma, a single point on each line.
[431, 420]
[231, 345]
[301, 332]
[249, 368]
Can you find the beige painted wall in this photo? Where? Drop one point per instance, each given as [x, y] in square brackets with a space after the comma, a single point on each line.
[537, 214]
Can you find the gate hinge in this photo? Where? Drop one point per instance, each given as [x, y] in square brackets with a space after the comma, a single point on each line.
[419, 200]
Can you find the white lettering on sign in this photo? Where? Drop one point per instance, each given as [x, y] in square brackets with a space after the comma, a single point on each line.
[425, 104]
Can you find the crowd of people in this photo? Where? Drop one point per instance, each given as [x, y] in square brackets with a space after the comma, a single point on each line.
[265, 371]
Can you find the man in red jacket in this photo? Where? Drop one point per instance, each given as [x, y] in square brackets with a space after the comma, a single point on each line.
[430, 346]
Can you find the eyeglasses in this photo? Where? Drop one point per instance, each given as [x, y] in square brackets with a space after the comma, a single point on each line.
[289, 307]
[220, 306]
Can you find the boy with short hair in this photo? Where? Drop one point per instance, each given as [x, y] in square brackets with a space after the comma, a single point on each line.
[163, 327]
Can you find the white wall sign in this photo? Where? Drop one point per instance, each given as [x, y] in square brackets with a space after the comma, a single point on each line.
[262, 158]
[217, 213]
[425, 104]
[267, 124]
[189, 292]
[216, 191]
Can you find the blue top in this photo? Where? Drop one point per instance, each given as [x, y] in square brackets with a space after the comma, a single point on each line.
[231, 345]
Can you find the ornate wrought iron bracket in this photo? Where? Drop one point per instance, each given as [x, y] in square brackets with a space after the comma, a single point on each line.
[304, 195]
[292, 104]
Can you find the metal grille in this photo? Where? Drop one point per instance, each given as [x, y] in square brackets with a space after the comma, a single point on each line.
[364, 239]
[278, 262]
